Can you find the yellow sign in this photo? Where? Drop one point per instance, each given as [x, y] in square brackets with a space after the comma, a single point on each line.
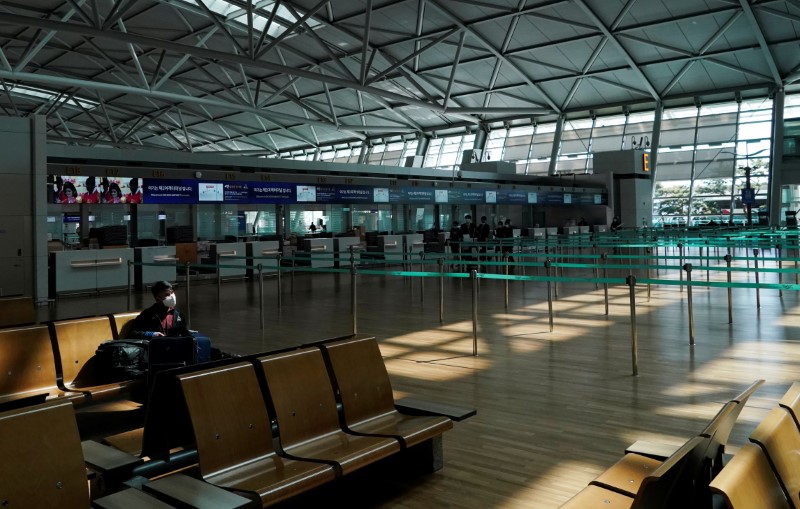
[646, 162]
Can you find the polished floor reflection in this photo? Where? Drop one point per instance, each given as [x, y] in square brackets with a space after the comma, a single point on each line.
[554, 408]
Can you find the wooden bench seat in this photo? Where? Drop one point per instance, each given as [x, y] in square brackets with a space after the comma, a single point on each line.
[747, 482]
[44, 462]
[308, 421]
[17, 311]
[667, 486]
[234, 438]
[779, 438]
[720, 427]
[74, 345]
[791, 402]
[362, 383]
[121, 322]
[29, 368]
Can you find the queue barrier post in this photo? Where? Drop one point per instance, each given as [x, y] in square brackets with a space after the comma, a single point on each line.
[604, 260]
[631, 281]
[688, 268]
[354, 296]
[758, 290]
[130, 289]
[728, 260]
[279, 281]
[473, 275]
[261, 294]
[547, 266]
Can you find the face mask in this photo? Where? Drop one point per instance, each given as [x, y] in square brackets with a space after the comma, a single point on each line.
[170, 301]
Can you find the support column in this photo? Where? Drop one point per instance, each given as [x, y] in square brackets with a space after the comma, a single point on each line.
[655, 141]
[776, 160]
[556, 145]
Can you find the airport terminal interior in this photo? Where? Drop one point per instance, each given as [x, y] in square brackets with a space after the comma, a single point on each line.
[471, 254]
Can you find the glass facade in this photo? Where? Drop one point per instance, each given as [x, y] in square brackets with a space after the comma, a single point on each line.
[707, 154]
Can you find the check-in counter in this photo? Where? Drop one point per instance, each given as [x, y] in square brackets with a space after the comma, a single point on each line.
[342, 246]
[536, 233]
[264, 252]
[414, 244]
[160, 265]
[392, 248]
[232, 255]
[551, 232]
[584, 229]
[321, 251]
[570, 230]
[600, 228]
[89, 270]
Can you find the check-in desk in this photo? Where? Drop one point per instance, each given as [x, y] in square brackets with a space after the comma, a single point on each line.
[232, 255]
[536, 233]
[342, 247]
[264, 252]
[89, 270]
[570, 230]
[392, 248]
[414, 245]
[551, 232]
[584, 229]
[160, 265]
[320, 251]
[600, 228]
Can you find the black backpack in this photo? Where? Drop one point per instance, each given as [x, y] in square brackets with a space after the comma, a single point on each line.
[122, 359]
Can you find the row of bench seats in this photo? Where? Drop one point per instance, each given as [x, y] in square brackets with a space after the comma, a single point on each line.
[270, 426]
[47, 468]
[654, 476]
[56, 360]
[764, 473]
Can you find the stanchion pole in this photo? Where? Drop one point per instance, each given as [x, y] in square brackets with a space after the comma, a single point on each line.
[595, 270]
[422, 278]
[261, 294]
[604, 261]
[549, 293]
[354, 296]
[505, 260]
[780, 269]
[473, 275]
[280, 285]
[188, 294]
[728, 260]
[688, 268]
[292, 278]
[708, 261]
[130, 290]
[680, 262]
[219, 280]
[631, 280]
[440, 261]
[648, 252]
[758, 290]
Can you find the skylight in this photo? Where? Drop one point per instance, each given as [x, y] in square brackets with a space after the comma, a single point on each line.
[40, 93]
[283, 17]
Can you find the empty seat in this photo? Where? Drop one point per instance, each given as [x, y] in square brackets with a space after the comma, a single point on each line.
[232, 429]
[308, 421]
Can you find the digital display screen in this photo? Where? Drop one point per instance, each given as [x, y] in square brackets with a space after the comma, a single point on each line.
[306, 193]
[207, 191]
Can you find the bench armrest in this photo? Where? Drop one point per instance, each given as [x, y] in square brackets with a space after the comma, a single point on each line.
[414, 406]
[654, 450]
[107, 460]
[184, 491]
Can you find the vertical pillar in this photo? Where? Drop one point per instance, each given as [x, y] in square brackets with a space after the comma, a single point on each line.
[556, 145]
[655, 141]
[776, 160]
[362, 155]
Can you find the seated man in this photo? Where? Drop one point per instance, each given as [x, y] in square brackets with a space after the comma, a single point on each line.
[163, 319]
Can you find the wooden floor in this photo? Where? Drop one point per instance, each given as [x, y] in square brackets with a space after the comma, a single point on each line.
[554, 409]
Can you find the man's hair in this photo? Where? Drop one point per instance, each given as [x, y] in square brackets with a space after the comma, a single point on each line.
[483, 218]
[467, 216]
[159, 287]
